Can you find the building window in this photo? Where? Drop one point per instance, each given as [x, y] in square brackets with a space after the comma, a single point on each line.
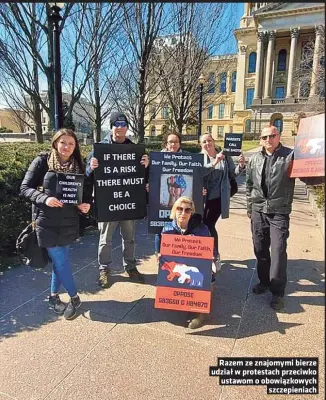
[252, 63]
[223, 82]
[231, 129]
[248, 126]
[279, 124]
[281, 62]
[233, 81]
[279, 92]
[211, 83]
[44, 120]
[221, 108]
[209, 129]
[307, 54]
[231, 110]
[250, 96]
[165, 112]
[220, 131]
[153, 131]
[152, 111]
[44, 128]
[210, 111]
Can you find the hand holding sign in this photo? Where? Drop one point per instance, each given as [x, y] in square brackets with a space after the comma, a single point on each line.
[232, 144]
[53, 202]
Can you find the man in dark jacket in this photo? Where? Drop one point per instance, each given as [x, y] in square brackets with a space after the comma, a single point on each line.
[269, 203]
[119, 127]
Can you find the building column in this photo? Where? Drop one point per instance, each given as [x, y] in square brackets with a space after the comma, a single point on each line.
[241, 70]
[315, 64]
[294, 42]
[259, 65]
[269, 61]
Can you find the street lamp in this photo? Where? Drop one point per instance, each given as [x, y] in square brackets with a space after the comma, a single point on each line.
[256, 111]
[260, 111]
[201, 80]
[55, 17]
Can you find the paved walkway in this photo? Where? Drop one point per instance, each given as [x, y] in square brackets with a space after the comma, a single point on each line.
[120, 347]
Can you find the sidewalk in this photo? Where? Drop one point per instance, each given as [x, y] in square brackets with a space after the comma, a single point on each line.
[121, 348]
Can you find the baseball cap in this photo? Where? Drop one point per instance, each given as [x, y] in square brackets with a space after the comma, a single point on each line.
[117, 116]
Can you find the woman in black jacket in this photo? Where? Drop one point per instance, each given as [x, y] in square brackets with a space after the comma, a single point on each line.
[57, 224]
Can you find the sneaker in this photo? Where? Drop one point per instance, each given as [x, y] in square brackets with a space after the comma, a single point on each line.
[57, 305]
[260, 288]
[277, 303]
[198, 321]
[103, 279]
[71, 309]
[135, 275]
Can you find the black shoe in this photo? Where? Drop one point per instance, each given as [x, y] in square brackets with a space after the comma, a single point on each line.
[260, 288]
[103, 279]
[57, 305]
[72, 306]
[135, 275]
[277, 303]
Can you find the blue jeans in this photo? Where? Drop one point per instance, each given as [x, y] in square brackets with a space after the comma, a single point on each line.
[61, 272]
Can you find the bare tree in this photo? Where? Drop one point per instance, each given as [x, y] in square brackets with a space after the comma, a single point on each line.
[130, 85]
[199, 30]
[105, 20]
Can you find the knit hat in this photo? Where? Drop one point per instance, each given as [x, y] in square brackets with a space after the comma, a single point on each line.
[117, 116]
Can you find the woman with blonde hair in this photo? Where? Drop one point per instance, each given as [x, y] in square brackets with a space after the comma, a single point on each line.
[185, 222]
[57, 224]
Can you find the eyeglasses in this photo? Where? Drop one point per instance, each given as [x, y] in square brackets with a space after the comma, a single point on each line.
[173, 142]
[269, 136]
[120, 124]
[187, 210]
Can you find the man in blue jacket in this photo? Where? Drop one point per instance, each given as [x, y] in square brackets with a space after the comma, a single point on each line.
[119, 127]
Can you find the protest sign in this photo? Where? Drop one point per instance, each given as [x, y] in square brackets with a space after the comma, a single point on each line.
[119, 182]
[69, 188]
[232, 144]
[184, 275]
[172, 175]
[309, 149]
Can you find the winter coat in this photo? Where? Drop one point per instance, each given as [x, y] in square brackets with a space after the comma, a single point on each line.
[281, 186]
[195, 228]
[229, 170]
[55, 226]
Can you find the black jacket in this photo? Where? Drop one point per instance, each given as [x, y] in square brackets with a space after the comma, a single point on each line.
[281, 187]
[54, 226]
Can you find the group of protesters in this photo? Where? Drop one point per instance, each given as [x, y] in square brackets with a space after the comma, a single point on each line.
[269, 193]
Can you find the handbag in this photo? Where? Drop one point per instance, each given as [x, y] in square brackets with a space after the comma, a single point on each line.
[29, 252]
[233, 181]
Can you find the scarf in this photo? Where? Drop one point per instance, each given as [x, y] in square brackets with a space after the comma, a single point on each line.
[70, 166]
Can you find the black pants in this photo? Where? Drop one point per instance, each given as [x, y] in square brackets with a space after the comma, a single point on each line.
[212, 212]
[269, 234]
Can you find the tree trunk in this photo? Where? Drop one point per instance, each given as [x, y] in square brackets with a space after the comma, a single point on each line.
[50, 76]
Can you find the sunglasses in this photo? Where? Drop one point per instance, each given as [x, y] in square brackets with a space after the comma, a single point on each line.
[120, 124]
[269, 136]
[187, 210]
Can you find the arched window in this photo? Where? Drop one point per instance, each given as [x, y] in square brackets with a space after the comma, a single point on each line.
[248, 126]
[279, 124]
[281, 62]
[252, 62]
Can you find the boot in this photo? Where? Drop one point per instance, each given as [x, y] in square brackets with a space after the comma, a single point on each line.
[198, 321]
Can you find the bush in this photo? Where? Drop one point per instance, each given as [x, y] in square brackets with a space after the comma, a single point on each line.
[320, 196]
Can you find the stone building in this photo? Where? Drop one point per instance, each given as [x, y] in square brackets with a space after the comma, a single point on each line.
[276, 77]
[12, 120]
[279, 59]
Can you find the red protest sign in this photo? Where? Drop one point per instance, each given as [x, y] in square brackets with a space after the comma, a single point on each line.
[309, 150]
[184, 276]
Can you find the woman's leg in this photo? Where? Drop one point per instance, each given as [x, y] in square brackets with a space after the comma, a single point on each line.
[62, 273]
[212, 213]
